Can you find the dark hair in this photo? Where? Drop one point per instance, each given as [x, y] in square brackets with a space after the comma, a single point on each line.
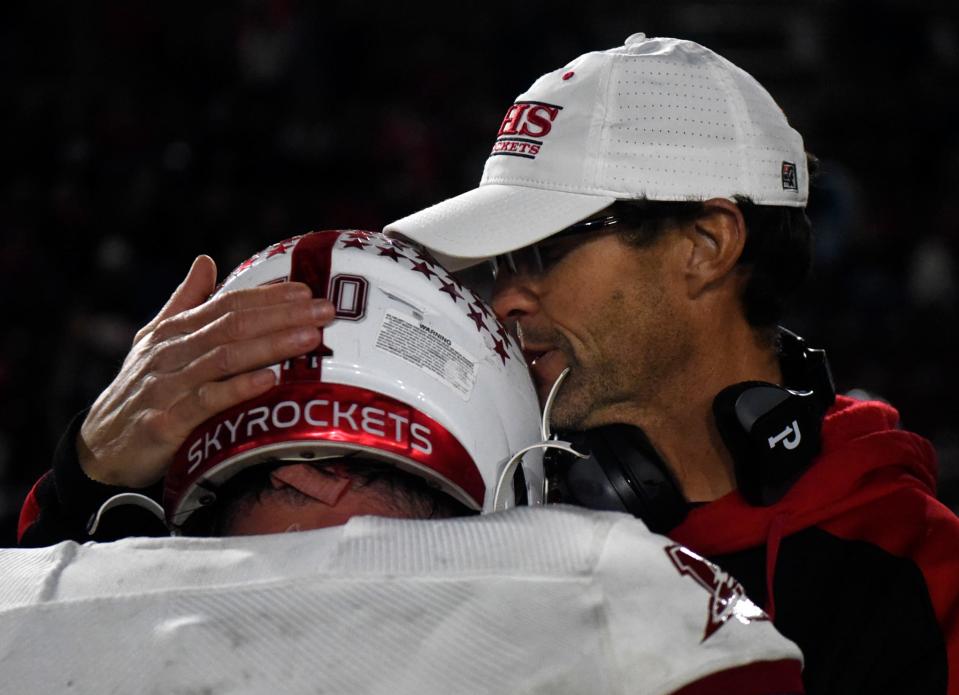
[402, 491]
[778, 248]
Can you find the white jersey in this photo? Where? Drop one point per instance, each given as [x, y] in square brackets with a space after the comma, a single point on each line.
[547, 600]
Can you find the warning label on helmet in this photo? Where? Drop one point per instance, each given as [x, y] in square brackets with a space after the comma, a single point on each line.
[431, 351]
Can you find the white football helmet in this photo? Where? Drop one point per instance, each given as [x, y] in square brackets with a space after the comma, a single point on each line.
[415, 371]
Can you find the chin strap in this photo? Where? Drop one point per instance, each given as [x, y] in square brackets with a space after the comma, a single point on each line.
[545, 430]
[123, 499]
[509, 470]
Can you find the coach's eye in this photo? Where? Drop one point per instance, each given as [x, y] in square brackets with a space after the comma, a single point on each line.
[551, 258]
[552, 253]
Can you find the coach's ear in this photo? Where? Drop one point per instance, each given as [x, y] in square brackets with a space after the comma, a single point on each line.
[715, 242]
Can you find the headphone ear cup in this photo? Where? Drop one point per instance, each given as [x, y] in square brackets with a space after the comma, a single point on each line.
[624, 473]
[772, 434]
[589, 485]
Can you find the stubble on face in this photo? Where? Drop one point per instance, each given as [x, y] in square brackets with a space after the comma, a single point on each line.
[639, 346]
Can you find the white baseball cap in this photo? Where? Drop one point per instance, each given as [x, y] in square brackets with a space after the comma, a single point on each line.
[656, 119]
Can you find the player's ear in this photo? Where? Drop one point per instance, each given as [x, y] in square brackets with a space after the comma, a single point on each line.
[715, 242]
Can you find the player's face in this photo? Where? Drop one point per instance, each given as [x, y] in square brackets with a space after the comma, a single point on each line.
[612, 312]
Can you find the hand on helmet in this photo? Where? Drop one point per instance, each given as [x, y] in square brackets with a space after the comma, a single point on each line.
[193, 360]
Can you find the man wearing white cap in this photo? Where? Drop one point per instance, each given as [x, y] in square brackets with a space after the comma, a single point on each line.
[643, 212]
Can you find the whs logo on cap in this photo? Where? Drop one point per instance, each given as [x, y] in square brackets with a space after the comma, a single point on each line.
[523, 129]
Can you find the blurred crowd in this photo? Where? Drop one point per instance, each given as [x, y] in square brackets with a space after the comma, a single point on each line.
[135, 135]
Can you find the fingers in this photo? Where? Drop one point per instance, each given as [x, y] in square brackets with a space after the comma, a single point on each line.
[236, 332]
[134, 429]
[194, 367]
[180, 401]
[232, 358]
[196, 358]
[193, 291]
[231, 302]
[214, 397]
[133, 445]
[196, 287]
[224, 362]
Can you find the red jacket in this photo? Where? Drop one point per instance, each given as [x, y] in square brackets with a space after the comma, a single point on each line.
[871, 490]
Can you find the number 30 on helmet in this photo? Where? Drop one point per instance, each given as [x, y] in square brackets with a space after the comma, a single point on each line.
[415, 371]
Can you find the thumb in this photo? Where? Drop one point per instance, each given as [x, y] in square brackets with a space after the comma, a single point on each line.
[193, 291]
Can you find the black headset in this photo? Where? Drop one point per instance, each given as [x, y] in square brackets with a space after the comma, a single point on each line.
[771, 431]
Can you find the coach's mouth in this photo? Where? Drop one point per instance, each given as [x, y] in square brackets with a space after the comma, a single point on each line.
[533, 355]
[545, 366]
[532, 351]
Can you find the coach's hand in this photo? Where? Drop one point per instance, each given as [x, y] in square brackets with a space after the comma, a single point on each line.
[193, 360]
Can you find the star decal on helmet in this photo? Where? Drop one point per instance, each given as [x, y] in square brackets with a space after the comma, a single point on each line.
[500, 349]
[277, 250]
[482, 305]
[422, 267]
[390, 252]
[426, 257]
[450, 289]
[477, 317]
[354, 243]
[243, 267]
[280, 247]
[246, 264]
[421, 261]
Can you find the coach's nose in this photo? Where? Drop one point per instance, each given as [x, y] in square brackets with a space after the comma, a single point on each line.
[515, 296]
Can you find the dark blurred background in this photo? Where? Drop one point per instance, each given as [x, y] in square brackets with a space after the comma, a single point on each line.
[135, 135]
